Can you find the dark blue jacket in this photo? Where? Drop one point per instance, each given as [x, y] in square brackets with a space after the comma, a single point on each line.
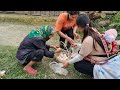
[29, 45]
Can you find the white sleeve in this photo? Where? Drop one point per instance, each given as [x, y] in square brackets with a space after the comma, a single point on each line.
[86, 49]
[77, 58]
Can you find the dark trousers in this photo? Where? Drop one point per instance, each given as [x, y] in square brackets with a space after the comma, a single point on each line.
[69, 33]
[35, 56]
[85, 67]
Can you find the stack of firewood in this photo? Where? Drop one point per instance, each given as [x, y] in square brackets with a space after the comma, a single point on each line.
[100, 14]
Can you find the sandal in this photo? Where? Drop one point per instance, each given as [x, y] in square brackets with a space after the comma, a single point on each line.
[30, 70]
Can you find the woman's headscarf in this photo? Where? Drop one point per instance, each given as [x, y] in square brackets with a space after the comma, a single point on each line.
[44, 32]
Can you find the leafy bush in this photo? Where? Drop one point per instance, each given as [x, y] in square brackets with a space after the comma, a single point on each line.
[115, 23]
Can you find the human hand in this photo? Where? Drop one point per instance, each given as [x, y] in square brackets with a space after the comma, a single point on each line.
[74, 45]
[58, 50]
[55, 47]
[71, 41]
[65, 64]
[76, 35]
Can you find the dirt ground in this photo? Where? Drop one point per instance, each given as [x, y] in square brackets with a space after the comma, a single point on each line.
[13, 34]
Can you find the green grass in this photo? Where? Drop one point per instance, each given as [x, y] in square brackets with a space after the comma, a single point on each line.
[14, 70]
[27, 19]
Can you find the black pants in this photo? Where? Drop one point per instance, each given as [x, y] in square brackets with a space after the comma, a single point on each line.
[35, 56]
[69, 33]
[84, 67]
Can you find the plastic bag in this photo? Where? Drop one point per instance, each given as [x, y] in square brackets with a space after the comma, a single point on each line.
[2, 73]
[109, 70]
[57, 68]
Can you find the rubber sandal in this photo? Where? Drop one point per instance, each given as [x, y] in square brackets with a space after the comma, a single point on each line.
[30, 70]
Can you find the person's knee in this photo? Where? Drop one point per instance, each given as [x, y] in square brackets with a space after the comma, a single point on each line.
[40, 52]
[84, 68]
[38, 55]
[48, 47]
[77, 66]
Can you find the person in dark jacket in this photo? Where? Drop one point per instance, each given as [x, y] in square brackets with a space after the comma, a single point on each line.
[34, 47]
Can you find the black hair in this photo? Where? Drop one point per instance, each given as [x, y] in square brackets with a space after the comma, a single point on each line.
[83, 21]
[73, 12]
